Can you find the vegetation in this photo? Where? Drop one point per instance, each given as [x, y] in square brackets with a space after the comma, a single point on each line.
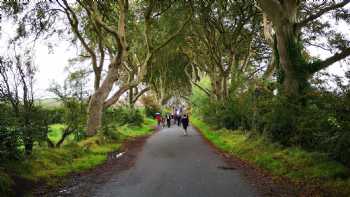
[238, 65]
[323, 126]
[49, 165]
[294, 163]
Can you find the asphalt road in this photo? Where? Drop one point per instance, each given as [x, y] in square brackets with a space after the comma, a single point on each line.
[171, 164]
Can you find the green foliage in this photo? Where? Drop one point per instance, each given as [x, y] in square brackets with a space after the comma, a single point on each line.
[131, 132]
[56, 115]
[49, 165]
[294, 163]
[151, 110]
[122, 116]
[319, 123]
[56, 132]
[10, 142]
[119, 119]
[151, 107]
[75, 112]
[21, 129]
[5, 183]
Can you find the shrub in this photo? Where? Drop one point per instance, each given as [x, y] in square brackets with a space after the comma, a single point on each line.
[122, 116]
[320, 122]
[151, 106]
[56, 115]
[10, 141]
[21, 129]
[5, 183]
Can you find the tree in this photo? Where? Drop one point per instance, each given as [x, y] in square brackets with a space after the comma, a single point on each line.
[291, 19]
[16, 88]
[224, 43]
[108, 22]
[73, 95]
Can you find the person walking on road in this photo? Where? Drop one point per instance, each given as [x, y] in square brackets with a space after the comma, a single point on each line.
[185, 121]
[163, 121]
[158, 118]
[168, 119]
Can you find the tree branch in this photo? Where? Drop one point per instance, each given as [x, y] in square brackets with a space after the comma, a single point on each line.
[109, 102]
[67, 131]
[73, 21]
[201, 88]
[173, 35]
[317, 66]
[207, 92]
[321, 12]
[137, 96]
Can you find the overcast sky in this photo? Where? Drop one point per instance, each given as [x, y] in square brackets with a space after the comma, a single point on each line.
[51, 64]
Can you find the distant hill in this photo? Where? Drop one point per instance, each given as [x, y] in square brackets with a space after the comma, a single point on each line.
[49, 102]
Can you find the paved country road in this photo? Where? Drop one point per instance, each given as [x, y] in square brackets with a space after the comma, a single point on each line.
[171, 164]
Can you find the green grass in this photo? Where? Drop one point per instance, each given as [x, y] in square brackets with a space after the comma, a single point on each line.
[294, 163]
[127, 131]
[50, 164]
[56, 131]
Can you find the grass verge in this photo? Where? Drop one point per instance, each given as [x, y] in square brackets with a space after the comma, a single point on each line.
[49, 165]
[294, 163]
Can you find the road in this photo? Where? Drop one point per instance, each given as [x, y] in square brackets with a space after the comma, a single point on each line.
[171, 164]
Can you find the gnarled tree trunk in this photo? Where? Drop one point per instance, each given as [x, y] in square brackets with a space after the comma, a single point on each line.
[98, 98]
[291, 60]
[284, 18]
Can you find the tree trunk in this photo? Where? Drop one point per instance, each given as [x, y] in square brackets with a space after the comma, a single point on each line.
[97, 80]
[216, 85]
[131, 97]
[294, 75]
[97, 101]
[65, 134]
[28, 144]
[224, 88]
[139, 94]
[293, 68]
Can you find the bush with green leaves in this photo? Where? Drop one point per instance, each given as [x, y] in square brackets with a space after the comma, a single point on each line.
[113, 118]
[22, 129]
[151, 106]
[56, 115]
[74, 119]
[122, 116]
[10, 141]
[318, 122]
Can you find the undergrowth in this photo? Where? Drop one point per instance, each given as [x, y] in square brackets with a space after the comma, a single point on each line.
[294, 163]
[49, 165]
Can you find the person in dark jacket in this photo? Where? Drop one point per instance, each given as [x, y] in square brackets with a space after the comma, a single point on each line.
[178, 120]
[185, 122]
[168, 119]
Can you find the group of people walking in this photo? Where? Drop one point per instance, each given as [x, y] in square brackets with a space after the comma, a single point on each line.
[174, 118]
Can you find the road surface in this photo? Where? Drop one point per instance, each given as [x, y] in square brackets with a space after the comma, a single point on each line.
[171, 164]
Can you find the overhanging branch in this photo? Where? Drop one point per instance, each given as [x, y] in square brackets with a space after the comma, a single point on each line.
[317, 66]
[137, 96]
[321, 12]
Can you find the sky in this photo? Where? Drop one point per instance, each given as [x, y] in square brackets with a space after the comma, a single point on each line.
[51, 64]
